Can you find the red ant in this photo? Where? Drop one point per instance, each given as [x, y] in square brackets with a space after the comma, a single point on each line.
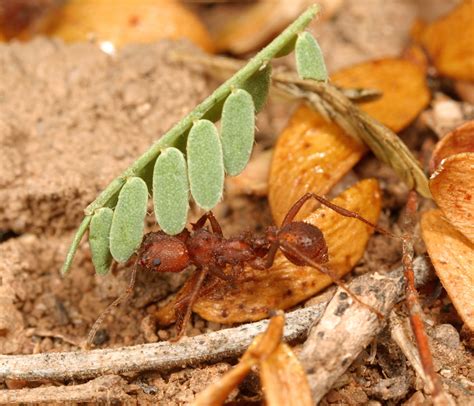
[211, 253]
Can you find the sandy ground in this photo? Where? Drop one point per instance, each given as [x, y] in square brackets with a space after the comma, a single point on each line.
[71, 119]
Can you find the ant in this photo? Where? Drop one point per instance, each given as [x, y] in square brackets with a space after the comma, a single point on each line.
[211, 254]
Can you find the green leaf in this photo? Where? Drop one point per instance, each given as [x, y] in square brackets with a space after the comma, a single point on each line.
[237, 131]
[99, 232]
[287, 48]
[309, 58]
[258, 86]
[128, 221]
[205, 164]
[171, 191]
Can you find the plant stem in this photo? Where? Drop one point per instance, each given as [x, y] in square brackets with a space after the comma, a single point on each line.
[172, 137]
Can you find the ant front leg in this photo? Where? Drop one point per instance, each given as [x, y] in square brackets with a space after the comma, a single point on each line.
[187, 301]
[216, 228]
[338, 209]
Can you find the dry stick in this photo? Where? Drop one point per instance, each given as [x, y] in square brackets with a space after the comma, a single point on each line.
[346, 328]
[107, 389]
[414, 307]
[211, 347]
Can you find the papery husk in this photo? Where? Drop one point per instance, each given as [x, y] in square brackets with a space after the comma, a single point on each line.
[459, 140]
[405, 92]
[311, 155]
[452, 255]
[257, 292]
[261, 348]
[449, 42]
[133, 21]
[284, 380]
[452, 187]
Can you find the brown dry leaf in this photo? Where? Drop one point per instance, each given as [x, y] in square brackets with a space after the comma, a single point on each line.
[459, 140]
[284, 380]
[134, 21]
[311, 155]
[252, 27]
[405, 93]
[452, 255]
[261, 347]
[452, 187]
[284, 284]
[450, 42]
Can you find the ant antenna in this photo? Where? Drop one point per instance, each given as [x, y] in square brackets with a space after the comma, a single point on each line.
[123, 297]
[335, 279]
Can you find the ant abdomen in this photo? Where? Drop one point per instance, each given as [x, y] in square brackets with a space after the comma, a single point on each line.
[300, 240]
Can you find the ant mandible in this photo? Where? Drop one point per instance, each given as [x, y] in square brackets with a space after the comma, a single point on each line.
[211, 254]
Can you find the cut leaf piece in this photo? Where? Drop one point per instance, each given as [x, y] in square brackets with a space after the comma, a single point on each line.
[450, 42]
[99, 234]
[459, 140]
[285, 284]
[205, 164]
[405, 93]
[311, 155]
[309, 58]
[237, 131]
[283, 379]
[128, 221]
[171, 191]
[452, 187]
[258, 86]
[452, 255]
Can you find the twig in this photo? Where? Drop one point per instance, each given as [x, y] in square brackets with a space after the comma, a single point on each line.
[108, 389]
[347, 327]
[400, 337]
[211, 347]
[414, 307]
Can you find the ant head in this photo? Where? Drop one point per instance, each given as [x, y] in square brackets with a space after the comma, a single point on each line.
[299, 240]
[164, 253]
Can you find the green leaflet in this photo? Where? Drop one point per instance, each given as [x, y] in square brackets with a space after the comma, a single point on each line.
[288, 48]
[237, 131]
[128, 220]
[205, 164]
[309, 58]
[171, 191]
[99, 232]
[258, 86]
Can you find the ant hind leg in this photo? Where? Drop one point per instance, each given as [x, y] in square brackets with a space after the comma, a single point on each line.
[338, 209]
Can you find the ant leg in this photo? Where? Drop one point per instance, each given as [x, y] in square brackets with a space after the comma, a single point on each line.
[338, 209]
[114, 304]
[335, 279]
[216, 228]
[217, 272]
[189, 302]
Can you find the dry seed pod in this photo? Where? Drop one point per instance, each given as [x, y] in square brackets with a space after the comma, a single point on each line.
[284, 285]
[171, 191]
[258, 86]
[459, 140]
[126, 232]
[309, 58]
[133, 21]
[449, 42]
[99, 232]
[452, 187]
[205, 164]
[311, 155]
[453, 258]
[405, 93]
[237, 131]
[284, 380]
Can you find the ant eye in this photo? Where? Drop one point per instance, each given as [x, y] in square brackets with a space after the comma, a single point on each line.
[157, 262]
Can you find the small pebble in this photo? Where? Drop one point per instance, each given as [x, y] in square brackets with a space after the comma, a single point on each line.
[447, 335]
[163, 335]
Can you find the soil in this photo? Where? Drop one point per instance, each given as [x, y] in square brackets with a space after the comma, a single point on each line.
[71, 119]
